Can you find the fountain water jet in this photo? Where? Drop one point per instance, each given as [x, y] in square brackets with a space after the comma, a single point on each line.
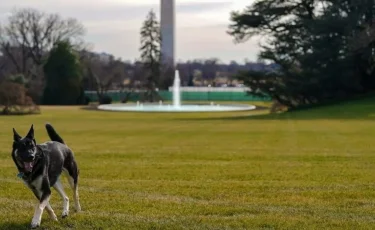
[176, 96]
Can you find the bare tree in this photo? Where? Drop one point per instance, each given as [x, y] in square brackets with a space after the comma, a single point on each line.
[36, 32]
[210, 68]
[28, 35]
[166, 75]
[105, 73]
[5, 69]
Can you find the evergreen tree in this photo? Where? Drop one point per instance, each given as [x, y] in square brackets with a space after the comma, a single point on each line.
[324, 48]
[150, 54]
[63, 76]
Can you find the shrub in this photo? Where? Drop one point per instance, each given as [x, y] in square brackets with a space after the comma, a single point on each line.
[105, 99]
[14, 100]
[87, 100]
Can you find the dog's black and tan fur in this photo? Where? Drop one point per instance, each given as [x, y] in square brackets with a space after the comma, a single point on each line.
[40, 167]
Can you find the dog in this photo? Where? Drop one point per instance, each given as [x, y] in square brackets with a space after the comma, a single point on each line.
[40, 167]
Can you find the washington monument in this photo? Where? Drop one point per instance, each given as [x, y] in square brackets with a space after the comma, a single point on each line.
[167, 30]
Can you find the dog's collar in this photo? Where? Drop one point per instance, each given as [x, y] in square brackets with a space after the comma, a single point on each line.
[24, 176]
[20, 175]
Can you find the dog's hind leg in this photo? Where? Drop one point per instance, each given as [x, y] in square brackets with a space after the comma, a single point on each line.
[74, 187]
[59, 188]
[51, 213]
[72, 175]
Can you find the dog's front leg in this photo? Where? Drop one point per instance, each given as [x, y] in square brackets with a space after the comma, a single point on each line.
[45, 192]
[40, 208]
[49, 209]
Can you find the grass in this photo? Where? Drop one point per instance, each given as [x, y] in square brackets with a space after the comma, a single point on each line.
[310, 169]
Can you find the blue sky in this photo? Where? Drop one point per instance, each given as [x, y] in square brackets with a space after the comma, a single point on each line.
[113, 25]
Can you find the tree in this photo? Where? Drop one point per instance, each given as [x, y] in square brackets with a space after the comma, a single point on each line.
[6, 68]
[104, 73]
[63, 76]
[166, 75]
[150, 54]
[190, 81]
[210, 68]
[312, 43]
[28, 36]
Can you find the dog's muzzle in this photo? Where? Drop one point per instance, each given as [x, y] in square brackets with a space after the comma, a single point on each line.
[28, 166]
[28, 163]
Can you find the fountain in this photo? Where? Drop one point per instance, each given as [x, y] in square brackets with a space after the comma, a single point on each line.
[176, 90]
[176, 104]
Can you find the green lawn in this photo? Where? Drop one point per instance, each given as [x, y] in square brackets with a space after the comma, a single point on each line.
[312, 169]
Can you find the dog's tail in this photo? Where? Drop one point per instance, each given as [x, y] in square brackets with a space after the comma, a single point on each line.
[53, 134]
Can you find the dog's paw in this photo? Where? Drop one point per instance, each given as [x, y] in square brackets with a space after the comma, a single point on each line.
[34, 225]
[35, 222]
[54, 218]
[65, 214]
[52, 215]
[78, 208]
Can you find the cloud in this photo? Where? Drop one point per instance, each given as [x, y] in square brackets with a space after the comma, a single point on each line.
[86, 10]
[191, 43]
[212, 41]
[111, 14]
[92, 12]
[198, 7]
[118, 18]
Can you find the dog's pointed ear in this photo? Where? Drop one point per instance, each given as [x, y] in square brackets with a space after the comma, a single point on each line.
[30, 134]
[16, 136]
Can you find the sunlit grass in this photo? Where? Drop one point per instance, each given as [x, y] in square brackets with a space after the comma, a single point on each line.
[304, 170]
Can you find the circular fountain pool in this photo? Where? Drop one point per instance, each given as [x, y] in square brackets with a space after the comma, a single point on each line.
[174, 108]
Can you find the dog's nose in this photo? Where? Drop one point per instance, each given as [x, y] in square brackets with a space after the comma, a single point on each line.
[30, 158]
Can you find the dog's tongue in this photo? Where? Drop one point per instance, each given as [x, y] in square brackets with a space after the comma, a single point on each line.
[28, 166]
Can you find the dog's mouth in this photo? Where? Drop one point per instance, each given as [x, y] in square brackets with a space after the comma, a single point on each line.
[28, 166]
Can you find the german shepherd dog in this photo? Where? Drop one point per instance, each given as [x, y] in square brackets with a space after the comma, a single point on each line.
[40, 167]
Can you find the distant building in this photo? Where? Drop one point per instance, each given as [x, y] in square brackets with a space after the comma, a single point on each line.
[105, 57]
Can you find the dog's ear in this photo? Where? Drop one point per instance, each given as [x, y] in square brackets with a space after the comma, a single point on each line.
[30, 134]
[16, 136]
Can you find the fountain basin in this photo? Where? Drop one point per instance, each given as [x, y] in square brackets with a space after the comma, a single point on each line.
[176, 106]
[171, 108]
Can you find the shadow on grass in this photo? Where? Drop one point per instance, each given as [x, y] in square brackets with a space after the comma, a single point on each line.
[16, 226]
[361, 109]
[90, 107]
[46, 224]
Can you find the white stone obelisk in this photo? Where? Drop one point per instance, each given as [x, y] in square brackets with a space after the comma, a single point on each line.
[167, 30]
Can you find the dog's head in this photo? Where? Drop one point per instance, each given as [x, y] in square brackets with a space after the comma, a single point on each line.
[24, 149]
